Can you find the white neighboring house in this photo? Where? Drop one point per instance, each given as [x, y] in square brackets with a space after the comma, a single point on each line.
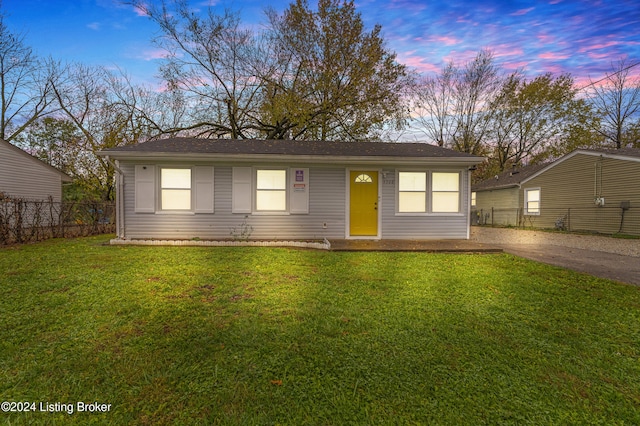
[24, 176]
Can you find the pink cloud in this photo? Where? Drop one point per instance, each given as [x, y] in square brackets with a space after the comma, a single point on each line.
[599, 56]
[153, 54]
[418, 63]
[460, 57]
[552, 56]
[465, 20]
[522, 11]
[408, 6]
[546, 38]
[502, 50]
[596, 46]
[512, 66]
[141, 10]
[581, 81]
[446, 40]
[553, 69]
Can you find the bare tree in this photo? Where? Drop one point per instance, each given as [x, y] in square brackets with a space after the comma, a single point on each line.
[160, 113]
[476, 87]
[102, 105]
[207, 61]
[312, 74]
[434, 104]
[24, 84]
[454, 106]
[617, 99]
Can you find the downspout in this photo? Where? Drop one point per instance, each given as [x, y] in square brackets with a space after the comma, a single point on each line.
[119, 198]
[597, 180]
[469, 204]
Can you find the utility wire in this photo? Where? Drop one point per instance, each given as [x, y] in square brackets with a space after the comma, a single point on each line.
[609, 76]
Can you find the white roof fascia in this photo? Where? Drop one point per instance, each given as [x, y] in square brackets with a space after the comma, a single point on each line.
[609, 155]
[277, 158]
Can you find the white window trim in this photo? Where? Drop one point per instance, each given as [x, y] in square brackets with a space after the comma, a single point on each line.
[459, 191]
[244, 190]
[190, 210]
[526, 203]
[429, 193]
[426, 193]
[254, 192]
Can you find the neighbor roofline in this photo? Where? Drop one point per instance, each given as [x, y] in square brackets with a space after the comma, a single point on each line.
[572, 154]
[493, 188]
[63, 176]
[607, 154]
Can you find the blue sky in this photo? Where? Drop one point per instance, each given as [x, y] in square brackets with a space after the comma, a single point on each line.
[582, 37]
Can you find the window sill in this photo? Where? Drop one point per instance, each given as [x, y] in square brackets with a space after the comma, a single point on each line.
[418, 214]
[175, 212]
[274, 213]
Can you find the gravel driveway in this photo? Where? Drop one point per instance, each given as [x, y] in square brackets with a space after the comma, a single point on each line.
[605, 257]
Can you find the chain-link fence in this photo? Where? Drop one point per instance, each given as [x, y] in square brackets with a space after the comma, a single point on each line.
[623, 219]
[24, 221]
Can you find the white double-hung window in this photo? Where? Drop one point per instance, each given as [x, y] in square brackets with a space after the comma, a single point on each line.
[532, 201]
[412, 192]
[271, 190]
[175, 189]
[445, 192]
[428, 192]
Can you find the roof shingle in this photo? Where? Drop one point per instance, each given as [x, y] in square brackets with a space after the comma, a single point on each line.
[290, 147]
[508, 178]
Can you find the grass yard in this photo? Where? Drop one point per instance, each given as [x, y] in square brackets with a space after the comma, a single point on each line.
[190, 335]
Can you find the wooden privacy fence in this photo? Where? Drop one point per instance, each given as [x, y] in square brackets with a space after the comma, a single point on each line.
[24, 221]
[622, 219]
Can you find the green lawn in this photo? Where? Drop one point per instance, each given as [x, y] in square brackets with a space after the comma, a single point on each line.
[191, 335]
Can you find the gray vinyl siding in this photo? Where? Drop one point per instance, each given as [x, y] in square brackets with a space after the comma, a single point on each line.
[426, 226]
[25, 177]
[572, 185]
[327, 205]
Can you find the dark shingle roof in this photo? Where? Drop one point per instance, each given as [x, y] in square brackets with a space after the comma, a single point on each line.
[290, 147]
[508, 178]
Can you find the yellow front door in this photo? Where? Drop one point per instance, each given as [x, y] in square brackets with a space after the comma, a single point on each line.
[363, 203]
